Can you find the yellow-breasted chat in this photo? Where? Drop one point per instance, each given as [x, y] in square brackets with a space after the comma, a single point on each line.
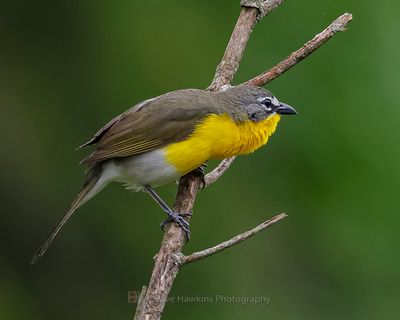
[163, 138]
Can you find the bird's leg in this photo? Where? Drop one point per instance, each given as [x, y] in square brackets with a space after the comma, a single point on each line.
[200, 172]
[172, 216]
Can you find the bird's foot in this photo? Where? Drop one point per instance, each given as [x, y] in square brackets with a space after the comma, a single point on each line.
[179, 219]
[200, 172]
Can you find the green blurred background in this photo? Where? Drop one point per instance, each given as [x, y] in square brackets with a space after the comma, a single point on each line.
[67, 67]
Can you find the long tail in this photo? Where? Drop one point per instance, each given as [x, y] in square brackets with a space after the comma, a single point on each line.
[91, 186]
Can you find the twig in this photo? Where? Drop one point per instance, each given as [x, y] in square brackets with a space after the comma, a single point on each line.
[219, 170]
[336, 26]
[231, 242]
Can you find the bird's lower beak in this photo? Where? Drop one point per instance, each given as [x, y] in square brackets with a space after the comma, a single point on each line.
[285, 109]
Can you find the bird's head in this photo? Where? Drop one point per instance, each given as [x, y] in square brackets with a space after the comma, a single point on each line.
[254, 103]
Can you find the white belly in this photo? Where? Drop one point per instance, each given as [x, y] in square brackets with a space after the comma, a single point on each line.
[145, 169]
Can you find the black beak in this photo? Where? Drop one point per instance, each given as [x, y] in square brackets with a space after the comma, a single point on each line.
[285, 109]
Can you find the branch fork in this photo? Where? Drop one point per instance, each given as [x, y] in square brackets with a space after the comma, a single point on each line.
[170, 258]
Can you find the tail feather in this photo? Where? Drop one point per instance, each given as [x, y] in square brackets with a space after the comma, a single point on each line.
[87, 191]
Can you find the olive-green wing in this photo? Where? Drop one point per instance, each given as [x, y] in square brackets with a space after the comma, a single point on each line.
[152, 124]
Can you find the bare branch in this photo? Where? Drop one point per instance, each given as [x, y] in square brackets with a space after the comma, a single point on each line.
[231, 242]
[336, 26]
[169, 258]
[166, 267]
[214, 175]
[234, 51]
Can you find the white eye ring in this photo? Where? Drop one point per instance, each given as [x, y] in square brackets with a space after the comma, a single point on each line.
[263, 101]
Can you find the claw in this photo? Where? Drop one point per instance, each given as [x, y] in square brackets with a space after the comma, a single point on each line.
[176, 217]
[200, 171]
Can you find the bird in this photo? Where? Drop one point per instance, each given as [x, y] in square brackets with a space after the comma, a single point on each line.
[163, 138]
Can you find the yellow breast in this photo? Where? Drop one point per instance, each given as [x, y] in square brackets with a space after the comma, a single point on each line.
[219, 137]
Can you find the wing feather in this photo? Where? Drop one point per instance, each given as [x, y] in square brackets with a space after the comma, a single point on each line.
[152, 124]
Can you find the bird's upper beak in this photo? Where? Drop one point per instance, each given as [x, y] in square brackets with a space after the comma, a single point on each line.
[285, 109]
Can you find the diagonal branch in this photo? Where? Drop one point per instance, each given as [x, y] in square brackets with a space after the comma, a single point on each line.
[308, 48]
[218, 171]
[231, 242]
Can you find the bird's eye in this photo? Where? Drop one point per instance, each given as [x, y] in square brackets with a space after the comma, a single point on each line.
[267, 102]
